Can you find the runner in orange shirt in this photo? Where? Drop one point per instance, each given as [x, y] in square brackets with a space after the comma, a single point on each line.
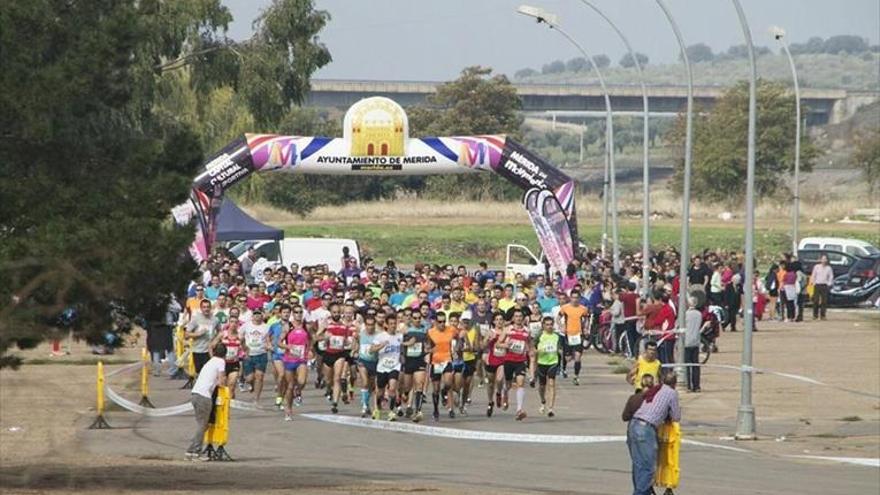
[573, 316]
[439, 342]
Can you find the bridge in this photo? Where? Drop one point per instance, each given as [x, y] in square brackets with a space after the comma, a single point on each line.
[573, 101]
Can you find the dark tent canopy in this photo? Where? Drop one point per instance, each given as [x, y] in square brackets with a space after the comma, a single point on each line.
[233, 224]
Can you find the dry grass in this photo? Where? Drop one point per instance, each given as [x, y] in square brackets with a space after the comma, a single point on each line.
[816, 208]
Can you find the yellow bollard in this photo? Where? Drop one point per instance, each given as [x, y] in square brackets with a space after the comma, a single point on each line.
[100, 423]
[190, 367]
[145, 378]
[669, 444]
[218, 431]
[178, 343]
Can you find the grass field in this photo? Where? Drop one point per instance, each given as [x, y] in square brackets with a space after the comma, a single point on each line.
[470, 243]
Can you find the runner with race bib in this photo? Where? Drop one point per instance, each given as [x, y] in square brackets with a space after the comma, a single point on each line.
[548, 347]
[516, 340]
[388, 345]
[414, 366]
[295, 346]
[440, 346]
[336, 336]
[574, 316]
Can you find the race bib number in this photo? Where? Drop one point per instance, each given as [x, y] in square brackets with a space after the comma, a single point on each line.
[439, 367]
[298, 351]
[255, 341]
[499, 352]
[534, 329]
[337, 343]
[414, 350]
[517, 347]
[231, 353]
[549, 348]
[322, 345]
[574, 340]
[389, 362]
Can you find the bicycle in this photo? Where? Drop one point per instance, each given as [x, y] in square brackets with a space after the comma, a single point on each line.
[600, 336]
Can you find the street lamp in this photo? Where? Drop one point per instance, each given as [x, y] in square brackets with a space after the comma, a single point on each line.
[745, 417]
[646, 174]
[552, 21]
[779, 33]
[686, 194]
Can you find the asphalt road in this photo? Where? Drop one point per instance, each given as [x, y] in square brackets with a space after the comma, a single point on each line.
[320, 453]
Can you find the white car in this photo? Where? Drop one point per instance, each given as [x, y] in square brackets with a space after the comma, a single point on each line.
[304, 251]
[854, 247]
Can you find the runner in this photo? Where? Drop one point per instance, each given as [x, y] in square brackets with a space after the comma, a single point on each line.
[335, 335]
[574, 316]
[549, 344]
[440, 346]
[388, 345]
[230, 338]
[277, 329]
[496, 386]
[256, 340]
[317, 319]
[471, 340]
[367, 360]
[414, 366]
[295, 346]
[516, 340]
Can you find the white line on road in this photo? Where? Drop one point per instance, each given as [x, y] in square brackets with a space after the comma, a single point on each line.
[858, 461]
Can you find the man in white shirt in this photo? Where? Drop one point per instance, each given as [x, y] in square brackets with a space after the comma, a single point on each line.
[822, 278]
[213, 374]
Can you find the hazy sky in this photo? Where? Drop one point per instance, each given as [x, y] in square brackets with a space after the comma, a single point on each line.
[435, 39]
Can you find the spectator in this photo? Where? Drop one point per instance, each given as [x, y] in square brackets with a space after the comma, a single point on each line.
[660, 404]
[212, 374]
[822, 278]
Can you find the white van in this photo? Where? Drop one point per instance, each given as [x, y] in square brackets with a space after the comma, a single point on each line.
[854, 247]
[304, 251]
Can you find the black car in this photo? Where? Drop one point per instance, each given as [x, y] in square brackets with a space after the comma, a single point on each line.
[861, 284]
[841, 263]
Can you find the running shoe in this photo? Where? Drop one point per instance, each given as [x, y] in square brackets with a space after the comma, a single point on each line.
[436, 416]
[504, 406]
[288, 417]
[452, 414]
[334, 409]
[392, 416]
[489, 410]
[564, 373]
[463, 411]
[575, 381]
[399, 411]
[550, 413]
[520, 415]
[298, 401]
[278, 401]
[377, 414]
[542, 409]
[532, 383]
[498, 399]
[409, 412]
[365, 412]
[417, 417]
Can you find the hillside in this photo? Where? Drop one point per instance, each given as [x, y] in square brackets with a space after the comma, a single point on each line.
[857, 72]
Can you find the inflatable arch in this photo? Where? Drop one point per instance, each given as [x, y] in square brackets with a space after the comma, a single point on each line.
[376, 142]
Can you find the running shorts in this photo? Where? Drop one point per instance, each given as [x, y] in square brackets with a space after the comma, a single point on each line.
[512, 369]
[370, 366]
[256, 363]
[413, 364]
[382, 379]
[437, 370]
[293, 366]
[470, 367]
[331, 358]
[233, 367]
[546, 371]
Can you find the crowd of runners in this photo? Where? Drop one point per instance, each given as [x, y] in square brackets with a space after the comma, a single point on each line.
[385, 341]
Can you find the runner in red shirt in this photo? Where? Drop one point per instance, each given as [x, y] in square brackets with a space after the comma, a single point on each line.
[495, 365]
[519, 347]
[336, 334]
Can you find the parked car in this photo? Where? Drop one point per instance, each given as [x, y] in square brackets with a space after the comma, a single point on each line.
[854, 247]
[861, 284]
[305, 251]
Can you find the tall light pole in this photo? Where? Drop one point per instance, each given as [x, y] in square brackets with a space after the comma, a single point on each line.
[779, 34]
[686, 193]
[552, 21]
[745, 417]
[646, 173]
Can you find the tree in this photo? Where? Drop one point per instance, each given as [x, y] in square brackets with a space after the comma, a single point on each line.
[475, 103]
[867, 157]
[742, 51]
[578, 64]
[93, 156]
[699, 52]
[720, 145]
[554, 67]
[525, 73]
[602, 61]
[627, 61]
[846, 43]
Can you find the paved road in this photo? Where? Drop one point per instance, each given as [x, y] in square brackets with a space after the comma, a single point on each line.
[321, 453]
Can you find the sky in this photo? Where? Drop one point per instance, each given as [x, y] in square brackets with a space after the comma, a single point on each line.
[432, 40]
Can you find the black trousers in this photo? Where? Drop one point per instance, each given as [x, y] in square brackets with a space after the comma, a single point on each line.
[632, 335]
[200, 359]
[820, 300]
[692, 355]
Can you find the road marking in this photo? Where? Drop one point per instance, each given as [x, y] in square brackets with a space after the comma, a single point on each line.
[489, 436]
[858, 461]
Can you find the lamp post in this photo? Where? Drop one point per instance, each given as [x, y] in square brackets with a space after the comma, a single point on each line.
[779, 34]
[686, 193]
[552, 21]
[646, 174]
[745, 417]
